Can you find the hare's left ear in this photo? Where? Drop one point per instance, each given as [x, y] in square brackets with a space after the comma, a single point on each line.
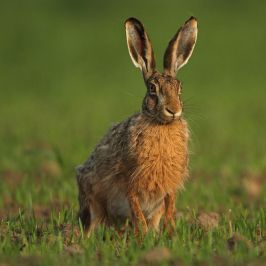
[180, 47]
[139, 47]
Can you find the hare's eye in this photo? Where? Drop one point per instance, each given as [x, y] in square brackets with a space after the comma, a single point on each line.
[152, 89]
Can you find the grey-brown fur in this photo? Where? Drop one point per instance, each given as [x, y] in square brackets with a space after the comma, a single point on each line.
[139, 165]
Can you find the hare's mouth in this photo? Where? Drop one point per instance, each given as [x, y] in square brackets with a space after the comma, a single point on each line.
[168, 115]
[164, 116]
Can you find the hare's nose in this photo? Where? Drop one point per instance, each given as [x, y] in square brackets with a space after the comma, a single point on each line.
[169, 112]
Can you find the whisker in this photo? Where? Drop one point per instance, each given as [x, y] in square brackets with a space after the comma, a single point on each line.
[129, 93]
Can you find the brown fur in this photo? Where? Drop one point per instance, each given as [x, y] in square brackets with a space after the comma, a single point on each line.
[136, 170]
[139, 160]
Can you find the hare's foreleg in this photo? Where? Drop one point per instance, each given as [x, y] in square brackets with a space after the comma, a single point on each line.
[138, 219]
[169, 219]
[154, 221]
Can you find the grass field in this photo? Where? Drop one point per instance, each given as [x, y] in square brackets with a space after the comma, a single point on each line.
[66, 76]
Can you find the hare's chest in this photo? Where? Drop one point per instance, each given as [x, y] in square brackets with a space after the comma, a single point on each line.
[161, 154]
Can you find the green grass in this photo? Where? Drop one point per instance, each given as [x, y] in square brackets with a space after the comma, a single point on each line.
[66, 76]
[56, 239]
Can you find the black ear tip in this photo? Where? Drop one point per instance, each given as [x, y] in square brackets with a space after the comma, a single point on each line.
[192, 18]
[192, 22]
[132, 20]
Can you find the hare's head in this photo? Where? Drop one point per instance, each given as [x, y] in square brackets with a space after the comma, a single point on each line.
[162, 100]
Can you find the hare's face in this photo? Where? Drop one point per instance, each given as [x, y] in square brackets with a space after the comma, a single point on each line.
[162, 100]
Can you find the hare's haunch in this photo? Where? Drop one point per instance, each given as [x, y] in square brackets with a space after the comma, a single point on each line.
[137, 168]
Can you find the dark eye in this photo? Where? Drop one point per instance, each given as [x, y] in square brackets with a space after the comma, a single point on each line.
[152, 89]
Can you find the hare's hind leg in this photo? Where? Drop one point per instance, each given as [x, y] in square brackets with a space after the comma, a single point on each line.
[98, 216]
[91, 216]
[84, 213]
[85, 217]
[88, 214]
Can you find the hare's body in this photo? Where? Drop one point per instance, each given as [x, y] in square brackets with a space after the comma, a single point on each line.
[139, 156]
[136, 170]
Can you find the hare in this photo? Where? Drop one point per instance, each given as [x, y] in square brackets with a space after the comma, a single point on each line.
[136, 170]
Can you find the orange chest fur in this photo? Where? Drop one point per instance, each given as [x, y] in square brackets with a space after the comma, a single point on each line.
[161, 152]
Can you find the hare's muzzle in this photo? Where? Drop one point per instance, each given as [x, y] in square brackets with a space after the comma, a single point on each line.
[171, 114]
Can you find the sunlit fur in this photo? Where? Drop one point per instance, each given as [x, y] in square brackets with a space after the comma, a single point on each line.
[138, 167]
[137, 158]
[140, 161]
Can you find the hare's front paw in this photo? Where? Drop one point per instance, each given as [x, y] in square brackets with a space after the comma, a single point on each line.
[140, 228]
[138, 219]
[169, 221]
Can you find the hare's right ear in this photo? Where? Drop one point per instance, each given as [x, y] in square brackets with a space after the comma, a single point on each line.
[180, 47]
[139, 47]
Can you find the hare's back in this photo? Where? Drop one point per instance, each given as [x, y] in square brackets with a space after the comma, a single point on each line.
[107, 161]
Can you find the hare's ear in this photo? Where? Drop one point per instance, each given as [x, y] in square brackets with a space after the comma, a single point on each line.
[180, 47]
[139, 47]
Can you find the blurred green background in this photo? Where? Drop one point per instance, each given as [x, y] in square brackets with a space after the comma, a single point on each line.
[66, 76]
